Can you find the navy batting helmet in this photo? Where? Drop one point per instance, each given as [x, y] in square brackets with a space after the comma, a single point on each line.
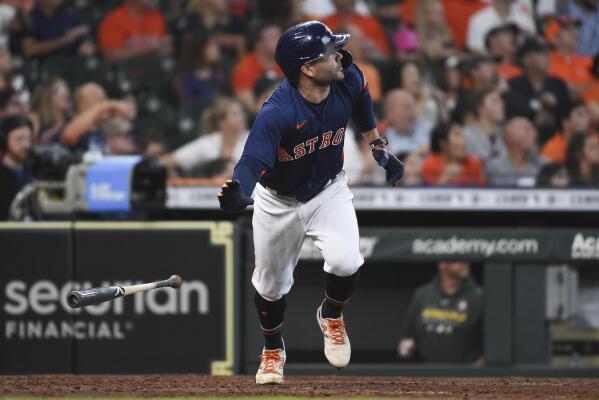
[307, 42]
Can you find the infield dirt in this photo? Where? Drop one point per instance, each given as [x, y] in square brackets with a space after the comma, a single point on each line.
[304, 386]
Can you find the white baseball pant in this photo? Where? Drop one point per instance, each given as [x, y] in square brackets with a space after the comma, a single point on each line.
[281, 224]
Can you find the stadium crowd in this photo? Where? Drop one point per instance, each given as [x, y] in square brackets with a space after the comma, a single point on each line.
[501, 93]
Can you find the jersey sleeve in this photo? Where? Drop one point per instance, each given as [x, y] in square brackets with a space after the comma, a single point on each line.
[266, 134]
[362, 110]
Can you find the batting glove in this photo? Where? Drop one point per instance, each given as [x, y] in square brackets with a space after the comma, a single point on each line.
[393, 167]
[231, 197]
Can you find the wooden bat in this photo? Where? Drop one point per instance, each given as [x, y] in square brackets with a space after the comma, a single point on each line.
[90, 297]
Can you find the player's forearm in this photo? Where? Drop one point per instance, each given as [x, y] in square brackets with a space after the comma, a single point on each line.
[82, 123]
[247, 172]
[371, 135]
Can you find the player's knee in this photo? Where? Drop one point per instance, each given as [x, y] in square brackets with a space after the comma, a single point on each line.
[271, 295]
[271, 291]
[343, 264]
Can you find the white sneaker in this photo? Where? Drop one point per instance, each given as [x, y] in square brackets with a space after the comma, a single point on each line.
[336, 342]
[271, 367]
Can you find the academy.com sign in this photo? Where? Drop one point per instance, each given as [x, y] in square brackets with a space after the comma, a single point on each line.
[585, 248]
[475, 246]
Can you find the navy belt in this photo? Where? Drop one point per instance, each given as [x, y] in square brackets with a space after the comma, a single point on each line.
[302, 199]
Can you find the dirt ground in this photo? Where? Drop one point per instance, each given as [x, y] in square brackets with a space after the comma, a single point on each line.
[235, 386]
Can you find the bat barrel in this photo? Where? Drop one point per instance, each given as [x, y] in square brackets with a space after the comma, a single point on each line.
[89, 297]
[74, 299]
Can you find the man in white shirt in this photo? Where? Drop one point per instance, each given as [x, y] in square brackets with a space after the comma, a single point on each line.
[498, 13]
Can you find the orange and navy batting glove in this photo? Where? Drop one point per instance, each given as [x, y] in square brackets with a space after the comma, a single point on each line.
[393, 166]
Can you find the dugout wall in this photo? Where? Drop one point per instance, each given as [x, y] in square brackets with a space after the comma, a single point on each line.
[512, 265]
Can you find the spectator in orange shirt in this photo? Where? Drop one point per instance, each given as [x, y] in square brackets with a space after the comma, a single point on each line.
[255, 65]
[370, 26]
[357, 47]
[458, 13]
[448, 163]
[501, 44]
[575, 120]
[564, 62]
[407, 10]
[134, 29]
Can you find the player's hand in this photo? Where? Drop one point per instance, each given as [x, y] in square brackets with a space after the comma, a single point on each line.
[231, 197]
[393, 167]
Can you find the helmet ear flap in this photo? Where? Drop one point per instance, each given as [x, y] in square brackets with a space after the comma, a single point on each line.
[347, 58]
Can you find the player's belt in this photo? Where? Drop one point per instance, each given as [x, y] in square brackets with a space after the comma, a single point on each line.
[301, 199]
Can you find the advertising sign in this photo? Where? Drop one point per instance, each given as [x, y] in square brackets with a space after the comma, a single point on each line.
[189, 329]
[433, 244]
[34, 265]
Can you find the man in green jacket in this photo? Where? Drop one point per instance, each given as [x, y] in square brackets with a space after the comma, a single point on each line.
[444, 320]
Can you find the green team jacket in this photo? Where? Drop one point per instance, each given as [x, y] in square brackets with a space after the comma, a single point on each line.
[446, 329]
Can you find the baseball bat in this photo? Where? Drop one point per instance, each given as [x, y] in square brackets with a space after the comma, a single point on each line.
[90, 297]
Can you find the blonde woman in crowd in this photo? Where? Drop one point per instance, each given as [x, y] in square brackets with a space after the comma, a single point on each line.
[51, 107]
[427, 96]
[433, 33]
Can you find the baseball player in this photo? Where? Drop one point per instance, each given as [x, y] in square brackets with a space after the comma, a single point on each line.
[293, 158]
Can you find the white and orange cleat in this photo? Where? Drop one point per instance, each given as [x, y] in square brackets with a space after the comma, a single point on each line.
[336, 342]
[271, 367]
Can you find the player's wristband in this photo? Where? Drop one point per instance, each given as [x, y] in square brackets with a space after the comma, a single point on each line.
[381, 141]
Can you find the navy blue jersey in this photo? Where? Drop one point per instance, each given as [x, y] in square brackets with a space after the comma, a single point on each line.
[301, 143]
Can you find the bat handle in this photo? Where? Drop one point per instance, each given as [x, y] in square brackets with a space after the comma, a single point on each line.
[175, 281]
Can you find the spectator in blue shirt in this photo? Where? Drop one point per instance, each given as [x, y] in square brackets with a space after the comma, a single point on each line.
[587, 12]
[202, 76]
[52, 30]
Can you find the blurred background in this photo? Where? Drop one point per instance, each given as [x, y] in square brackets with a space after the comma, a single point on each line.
[119, 120]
